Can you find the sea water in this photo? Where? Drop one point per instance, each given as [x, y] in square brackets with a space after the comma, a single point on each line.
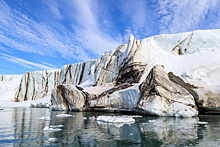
[42, 127]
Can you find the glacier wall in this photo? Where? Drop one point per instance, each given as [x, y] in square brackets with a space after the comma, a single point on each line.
[9, 86]
[129, 63]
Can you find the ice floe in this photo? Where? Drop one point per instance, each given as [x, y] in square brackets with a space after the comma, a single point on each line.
[56, 126]
[51, 129]
[52, 139]
[44, 118]
[202, 123]
[64, 115]
[116, 119]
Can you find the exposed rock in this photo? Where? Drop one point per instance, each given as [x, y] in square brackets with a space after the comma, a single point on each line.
[119, 98]
[208, 100]
[67, 97]
[161, 97]
[130, 74]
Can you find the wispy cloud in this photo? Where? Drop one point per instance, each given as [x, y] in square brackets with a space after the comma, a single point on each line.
[84, 38]
[136, 15]
[183, 16]
[88, 30]
[28, 64]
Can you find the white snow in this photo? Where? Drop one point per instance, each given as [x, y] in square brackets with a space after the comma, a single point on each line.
[44, 102]
[8, 86]
[203, 65]
[98, 89]
[115, 119]
[90, 81]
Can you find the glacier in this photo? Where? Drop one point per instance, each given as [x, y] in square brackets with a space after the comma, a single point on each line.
[164, 75]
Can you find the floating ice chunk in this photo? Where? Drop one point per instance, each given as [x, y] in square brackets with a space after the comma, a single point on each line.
[202, 123]
[134, 116]
[44, 118]
[52, 139]
[92, 118]
[116, 119]
[46, 128]
[150, 121]
[57, 126]
[64, 115]
[131, 134]
[51, 129]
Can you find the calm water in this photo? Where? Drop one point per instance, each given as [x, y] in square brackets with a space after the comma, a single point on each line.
[22, 127]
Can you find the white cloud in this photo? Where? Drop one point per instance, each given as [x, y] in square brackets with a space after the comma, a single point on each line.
[53, 6]
[28, 64]
[176, 16]
[22, 33]
[135, 12]
[86, 38]
[89, 32]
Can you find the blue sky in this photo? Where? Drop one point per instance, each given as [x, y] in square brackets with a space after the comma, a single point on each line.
[47, 34]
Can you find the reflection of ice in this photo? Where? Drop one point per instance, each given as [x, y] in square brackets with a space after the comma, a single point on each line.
[171, 130]
[125, 132]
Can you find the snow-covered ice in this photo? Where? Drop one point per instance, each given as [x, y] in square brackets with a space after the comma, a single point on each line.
[43, 102]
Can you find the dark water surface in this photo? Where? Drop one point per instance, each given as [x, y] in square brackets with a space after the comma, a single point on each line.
[22, 127]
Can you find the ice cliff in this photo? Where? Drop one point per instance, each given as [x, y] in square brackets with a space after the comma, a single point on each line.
[164, 75]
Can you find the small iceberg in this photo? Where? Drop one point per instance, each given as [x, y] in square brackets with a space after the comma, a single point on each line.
[44, 118]
[52, 139]
[202, 123]
[51, 129]
[64, 115]
[1, 108]
[57, 126]
[150, 121]
[116, 119]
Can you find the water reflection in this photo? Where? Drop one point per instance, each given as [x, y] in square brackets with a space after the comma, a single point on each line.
[22, 127]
